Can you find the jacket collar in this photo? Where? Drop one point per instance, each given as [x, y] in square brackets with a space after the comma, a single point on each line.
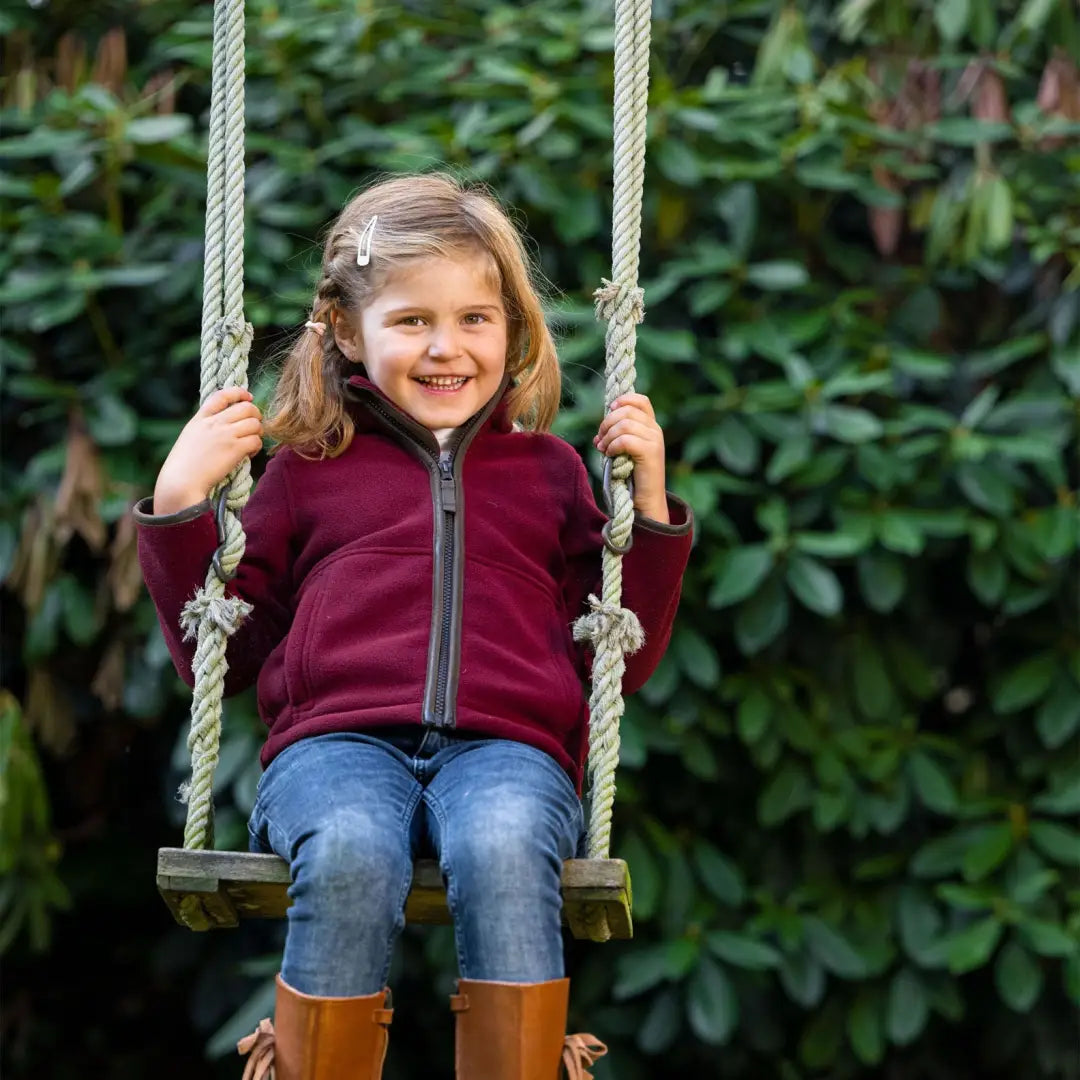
[361, 390]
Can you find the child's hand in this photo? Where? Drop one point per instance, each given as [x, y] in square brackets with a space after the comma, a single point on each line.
[214, 441]
[631, 428]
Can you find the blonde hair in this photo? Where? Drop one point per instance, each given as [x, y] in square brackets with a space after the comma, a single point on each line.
[420, 216]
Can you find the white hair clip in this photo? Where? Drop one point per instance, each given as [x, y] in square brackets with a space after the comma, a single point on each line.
[318, 327]
[363, 249]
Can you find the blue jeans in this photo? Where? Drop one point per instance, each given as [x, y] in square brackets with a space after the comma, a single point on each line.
[350, 812]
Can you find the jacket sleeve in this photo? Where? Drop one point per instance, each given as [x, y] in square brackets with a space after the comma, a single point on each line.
[652, 571]
[175, 552]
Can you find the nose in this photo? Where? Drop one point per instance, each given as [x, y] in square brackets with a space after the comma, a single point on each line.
[444, 342]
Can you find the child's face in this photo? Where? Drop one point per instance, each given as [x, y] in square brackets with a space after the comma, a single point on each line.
[434, 340]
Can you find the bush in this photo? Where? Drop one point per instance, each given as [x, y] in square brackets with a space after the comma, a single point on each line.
[849, 794]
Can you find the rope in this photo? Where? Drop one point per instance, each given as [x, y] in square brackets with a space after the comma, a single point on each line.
[612, 629]
[211, 616]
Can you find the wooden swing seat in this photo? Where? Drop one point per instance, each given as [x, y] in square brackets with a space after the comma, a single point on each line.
[234, 885]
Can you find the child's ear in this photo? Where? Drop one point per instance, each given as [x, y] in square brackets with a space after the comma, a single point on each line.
[347, 336]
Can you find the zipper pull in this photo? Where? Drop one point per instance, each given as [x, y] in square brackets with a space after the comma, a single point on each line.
[447, 494]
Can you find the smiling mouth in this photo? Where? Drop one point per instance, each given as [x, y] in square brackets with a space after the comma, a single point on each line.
[442, 382]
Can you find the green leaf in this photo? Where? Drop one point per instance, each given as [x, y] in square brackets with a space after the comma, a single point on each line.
[899, 533]
[874, 693]
[908, 1008]
[157, 129]
[941, 856]
[711, 1004]
[970, 948]
[1058, 717]
[720, 875]
[1049, 939]
[919, 922]
[638, 971]
[739, 572]
[1056, 842]
[1024, 684]
[741, 950]
[985, 487]
[815, 585]
[1063, 795]
[932, 783]
[696, 657]
[778, 275]
[988, 576]
[851, 425]
[111, 421]
[951, 17]
[837, 545]
[787, 793]
[1018, 978]
[754, 712]
[1034, 13]
[823, 1038]
[992, 848]
[829, 946]
[737, 446]
[662, 1023]
[803, 979]
[790, 456]
[762, 618]
[864, 1028]
[647, 876]
[882, 580]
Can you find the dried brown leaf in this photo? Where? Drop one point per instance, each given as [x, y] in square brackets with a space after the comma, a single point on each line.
[108, 682]
[80, 490]
[48, 712]
[125, 575]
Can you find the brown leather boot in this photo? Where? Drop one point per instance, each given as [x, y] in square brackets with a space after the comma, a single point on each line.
[320, 1038]
[516, 1031]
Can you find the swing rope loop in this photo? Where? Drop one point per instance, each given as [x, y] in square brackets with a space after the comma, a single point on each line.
[211, 616]
[612, 629]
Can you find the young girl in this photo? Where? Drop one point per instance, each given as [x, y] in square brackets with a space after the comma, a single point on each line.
[418, 549]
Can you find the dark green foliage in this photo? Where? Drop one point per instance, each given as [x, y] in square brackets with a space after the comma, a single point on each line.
[850, 794]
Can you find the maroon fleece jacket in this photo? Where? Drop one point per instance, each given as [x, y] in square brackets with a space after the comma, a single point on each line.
[341, 558]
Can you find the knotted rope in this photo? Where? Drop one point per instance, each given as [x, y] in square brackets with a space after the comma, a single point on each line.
[211, 616]
[612, 629]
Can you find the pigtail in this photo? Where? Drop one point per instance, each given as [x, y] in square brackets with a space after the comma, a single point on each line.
[308, 408]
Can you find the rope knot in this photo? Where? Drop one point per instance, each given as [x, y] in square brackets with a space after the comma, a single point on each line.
[260, 1045]
[619, 626]
[580, 1051]
[232, 328]
[614, 299]
[226, 613]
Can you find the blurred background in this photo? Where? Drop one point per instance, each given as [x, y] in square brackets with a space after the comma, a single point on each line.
[850, 794]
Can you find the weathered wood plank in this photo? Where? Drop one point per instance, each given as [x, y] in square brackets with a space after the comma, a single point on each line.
[237, 884]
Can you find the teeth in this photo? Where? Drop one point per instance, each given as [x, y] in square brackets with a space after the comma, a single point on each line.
[443, 382]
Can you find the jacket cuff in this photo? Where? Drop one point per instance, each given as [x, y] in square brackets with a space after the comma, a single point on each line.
[143, 512]
[682, 519]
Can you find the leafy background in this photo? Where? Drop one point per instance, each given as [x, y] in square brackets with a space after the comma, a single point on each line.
[849, 796]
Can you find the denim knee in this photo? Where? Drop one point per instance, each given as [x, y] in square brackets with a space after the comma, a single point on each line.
[347, 864]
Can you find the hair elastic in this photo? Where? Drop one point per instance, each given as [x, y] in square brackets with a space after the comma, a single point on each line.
[363, 249]
[318, 327]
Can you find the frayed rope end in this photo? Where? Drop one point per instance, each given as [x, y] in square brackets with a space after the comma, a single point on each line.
[224, 612]
[618, 625]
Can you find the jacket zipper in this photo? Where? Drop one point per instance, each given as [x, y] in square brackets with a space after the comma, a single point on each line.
[446, 507]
